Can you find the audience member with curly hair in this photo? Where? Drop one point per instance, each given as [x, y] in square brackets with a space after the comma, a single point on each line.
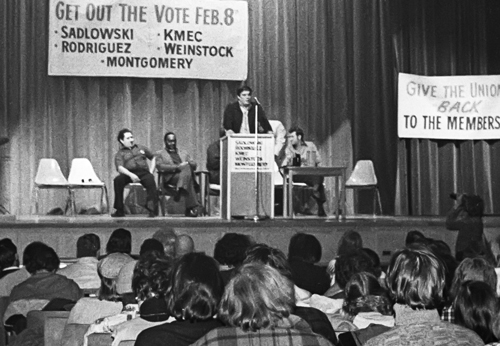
[368, 306]
[345, 267]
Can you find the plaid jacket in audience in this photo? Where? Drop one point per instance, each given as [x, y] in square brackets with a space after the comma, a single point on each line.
[235, 336]
[448, 314]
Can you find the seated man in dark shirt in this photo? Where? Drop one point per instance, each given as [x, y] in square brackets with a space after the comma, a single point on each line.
[177, 169]
[131, 163]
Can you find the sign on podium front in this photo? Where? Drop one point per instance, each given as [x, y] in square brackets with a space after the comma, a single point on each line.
[247, 185]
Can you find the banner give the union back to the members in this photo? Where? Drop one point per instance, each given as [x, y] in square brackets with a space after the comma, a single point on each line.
[451, 107]
[149, 38]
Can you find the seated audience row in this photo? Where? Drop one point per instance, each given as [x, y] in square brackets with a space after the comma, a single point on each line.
[253, 293]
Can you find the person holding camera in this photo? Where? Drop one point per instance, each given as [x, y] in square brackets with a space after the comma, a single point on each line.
[466, 217]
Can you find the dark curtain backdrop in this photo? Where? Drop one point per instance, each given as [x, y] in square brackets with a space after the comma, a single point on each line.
[440, 38]
[300, 66]
[320, 64]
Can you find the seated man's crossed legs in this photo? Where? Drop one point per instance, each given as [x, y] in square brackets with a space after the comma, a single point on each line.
[186, 185]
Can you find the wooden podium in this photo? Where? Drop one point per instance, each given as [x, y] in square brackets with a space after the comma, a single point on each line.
[247, 190]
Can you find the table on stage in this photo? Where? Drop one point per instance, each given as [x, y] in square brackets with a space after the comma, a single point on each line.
[338, 172]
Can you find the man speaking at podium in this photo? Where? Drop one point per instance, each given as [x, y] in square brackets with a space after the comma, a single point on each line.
[239, 116]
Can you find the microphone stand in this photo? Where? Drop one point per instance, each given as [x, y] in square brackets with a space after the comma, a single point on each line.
[256, 216]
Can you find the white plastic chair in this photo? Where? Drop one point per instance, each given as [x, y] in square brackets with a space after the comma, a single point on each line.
[48, 176]
[363, 177]
[83, 176]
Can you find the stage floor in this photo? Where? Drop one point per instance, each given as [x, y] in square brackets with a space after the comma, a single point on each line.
[384, 234]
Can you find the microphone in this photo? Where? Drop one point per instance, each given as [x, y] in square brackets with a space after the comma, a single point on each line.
[256, 100]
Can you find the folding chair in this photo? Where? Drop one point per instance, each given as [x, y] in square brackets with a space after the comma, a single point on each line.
[83, 176]
[363, 178]
[168, 190]
[49, 176]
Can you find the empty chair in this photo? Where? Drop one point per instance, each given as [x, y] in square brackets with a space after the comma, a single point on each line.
[83, 176]
[363, 177]
[48, 176]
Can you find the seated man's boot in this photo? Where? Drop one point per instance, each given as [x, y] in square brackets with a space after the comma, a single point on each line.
[321, 210]
[192, 212]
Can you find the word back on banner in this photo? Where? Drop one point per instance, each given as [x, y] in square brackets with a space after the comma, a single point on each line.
[453, 107]
[149, 38]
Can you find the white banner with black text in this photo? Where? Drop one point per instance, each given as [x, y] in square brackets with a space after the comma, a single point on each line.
[451, 107]
[195, 39]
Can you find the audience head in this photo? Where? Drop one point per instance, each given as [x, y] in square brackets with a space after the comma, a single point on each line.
[108, 269]
[88, 245]
[262, 253]
[152, 246]
[476, 308]
[197, 288]
[152, 276]
[167, 237]
[119, 241]
[348, 265]
[363, 293]
[416, 278]
[183, 245]
[415, 237]
[8, 254]
[257, 297]
[230, 249]
[473, 269]
[304, 247]
[443, 252]
[350, 241]
[39, 256]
